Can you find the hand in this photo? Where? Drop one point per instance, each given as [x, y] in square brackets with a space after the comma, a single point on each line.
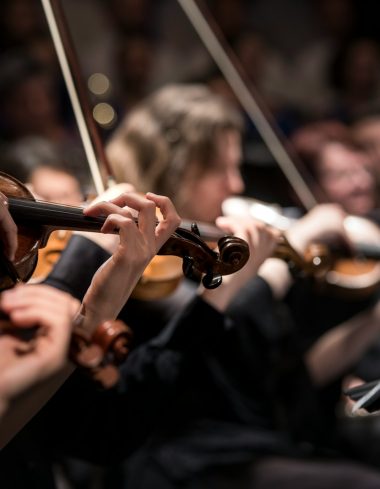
[324, 223]
[139, 240]
[144, 233]
[262, 241]
[8, 229]
[108, 242]
[23, 365]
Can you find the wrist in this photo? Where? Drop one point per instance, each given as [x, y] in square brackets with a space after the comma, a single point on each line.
[277, 275]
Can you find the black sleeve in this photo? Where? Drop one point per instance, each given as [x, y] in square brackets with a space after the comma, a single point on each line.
[77, 265]
[105, 426]
[73, 274]
[256, 308]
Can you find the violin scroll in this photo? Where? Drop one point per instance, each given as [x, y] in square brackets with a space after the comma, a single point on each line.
[99, 354]
[199, 259]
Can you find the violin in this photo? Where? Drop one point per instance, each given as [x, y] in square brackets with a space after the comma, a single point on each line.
[49, 255]
[354, 275]
[163, 277]
[37, 219]
[97, 355]
[351, 276]
[164, 273]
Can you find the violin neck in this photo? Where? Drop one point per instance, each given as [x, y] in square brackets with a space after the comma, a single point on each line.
[52, 216]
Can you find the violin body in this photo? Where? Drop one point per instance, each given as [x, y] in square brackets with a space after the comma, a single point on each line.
[29, 240]
[356, 276]
[49, 255]
[350, 275]
[160, 278]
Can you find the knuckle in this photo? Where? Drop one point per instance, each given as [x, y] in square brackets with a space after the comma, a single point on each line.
[149, 204]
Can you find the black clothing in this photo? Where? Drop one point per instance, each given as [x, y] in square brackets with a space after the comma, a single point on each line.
[208, 395]
[105, 426]
[73, 274]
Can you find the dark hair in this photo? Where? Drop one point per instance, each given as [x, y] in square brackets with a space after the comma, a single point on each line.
[22, 158]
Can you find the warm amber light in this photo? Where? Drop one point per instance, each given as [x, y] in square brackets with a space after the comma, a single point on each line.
[104, 115]
[98, 84]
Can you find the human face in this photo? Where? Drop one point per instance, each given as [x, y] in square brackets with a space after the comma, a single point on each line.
[205, 193]
[345, 178]
[367, 133]
[56, 186]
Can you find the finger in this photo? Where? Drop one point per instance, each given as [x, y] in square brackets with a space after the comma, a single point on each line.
[171, 219]
[123, 224]
[225, 224]
[130, 199]
[43, 296]
[166, 207]
[103, 208]
[108, 209]
[147, 221]
[146, 212]
[23, 291]
[54, 325]
[133, 201]
[232, 226]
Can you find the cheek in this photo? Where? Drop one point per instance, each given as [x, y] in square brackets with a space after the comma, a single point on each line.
[207, 191]
[201, 189]
[334, 188]
[202, 202]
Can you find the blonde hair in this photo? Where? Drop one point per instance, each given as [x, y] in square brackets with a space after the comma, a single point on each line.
[169, 136]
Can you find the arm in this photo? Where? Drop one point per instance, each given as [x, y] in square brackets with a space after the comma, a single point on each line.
[262, 241]
[339, 348]
[108, 291]
[117, 277]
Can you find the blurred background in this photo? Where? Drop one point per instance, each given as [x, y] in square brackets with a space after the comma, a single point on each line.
[307, 60]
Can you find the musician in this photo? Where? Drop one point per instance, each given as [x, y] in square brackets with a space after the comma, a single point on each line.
[342, 168]
[181, 134]
[50, 171]
[184, 140]
[27, 381]
[343, 171]
[199, 398]
[29, 306]
[195, 384]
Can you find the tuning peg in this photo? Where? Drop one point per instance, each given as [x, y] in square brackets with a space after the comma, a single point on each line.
[211, 281]
[195, 229]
